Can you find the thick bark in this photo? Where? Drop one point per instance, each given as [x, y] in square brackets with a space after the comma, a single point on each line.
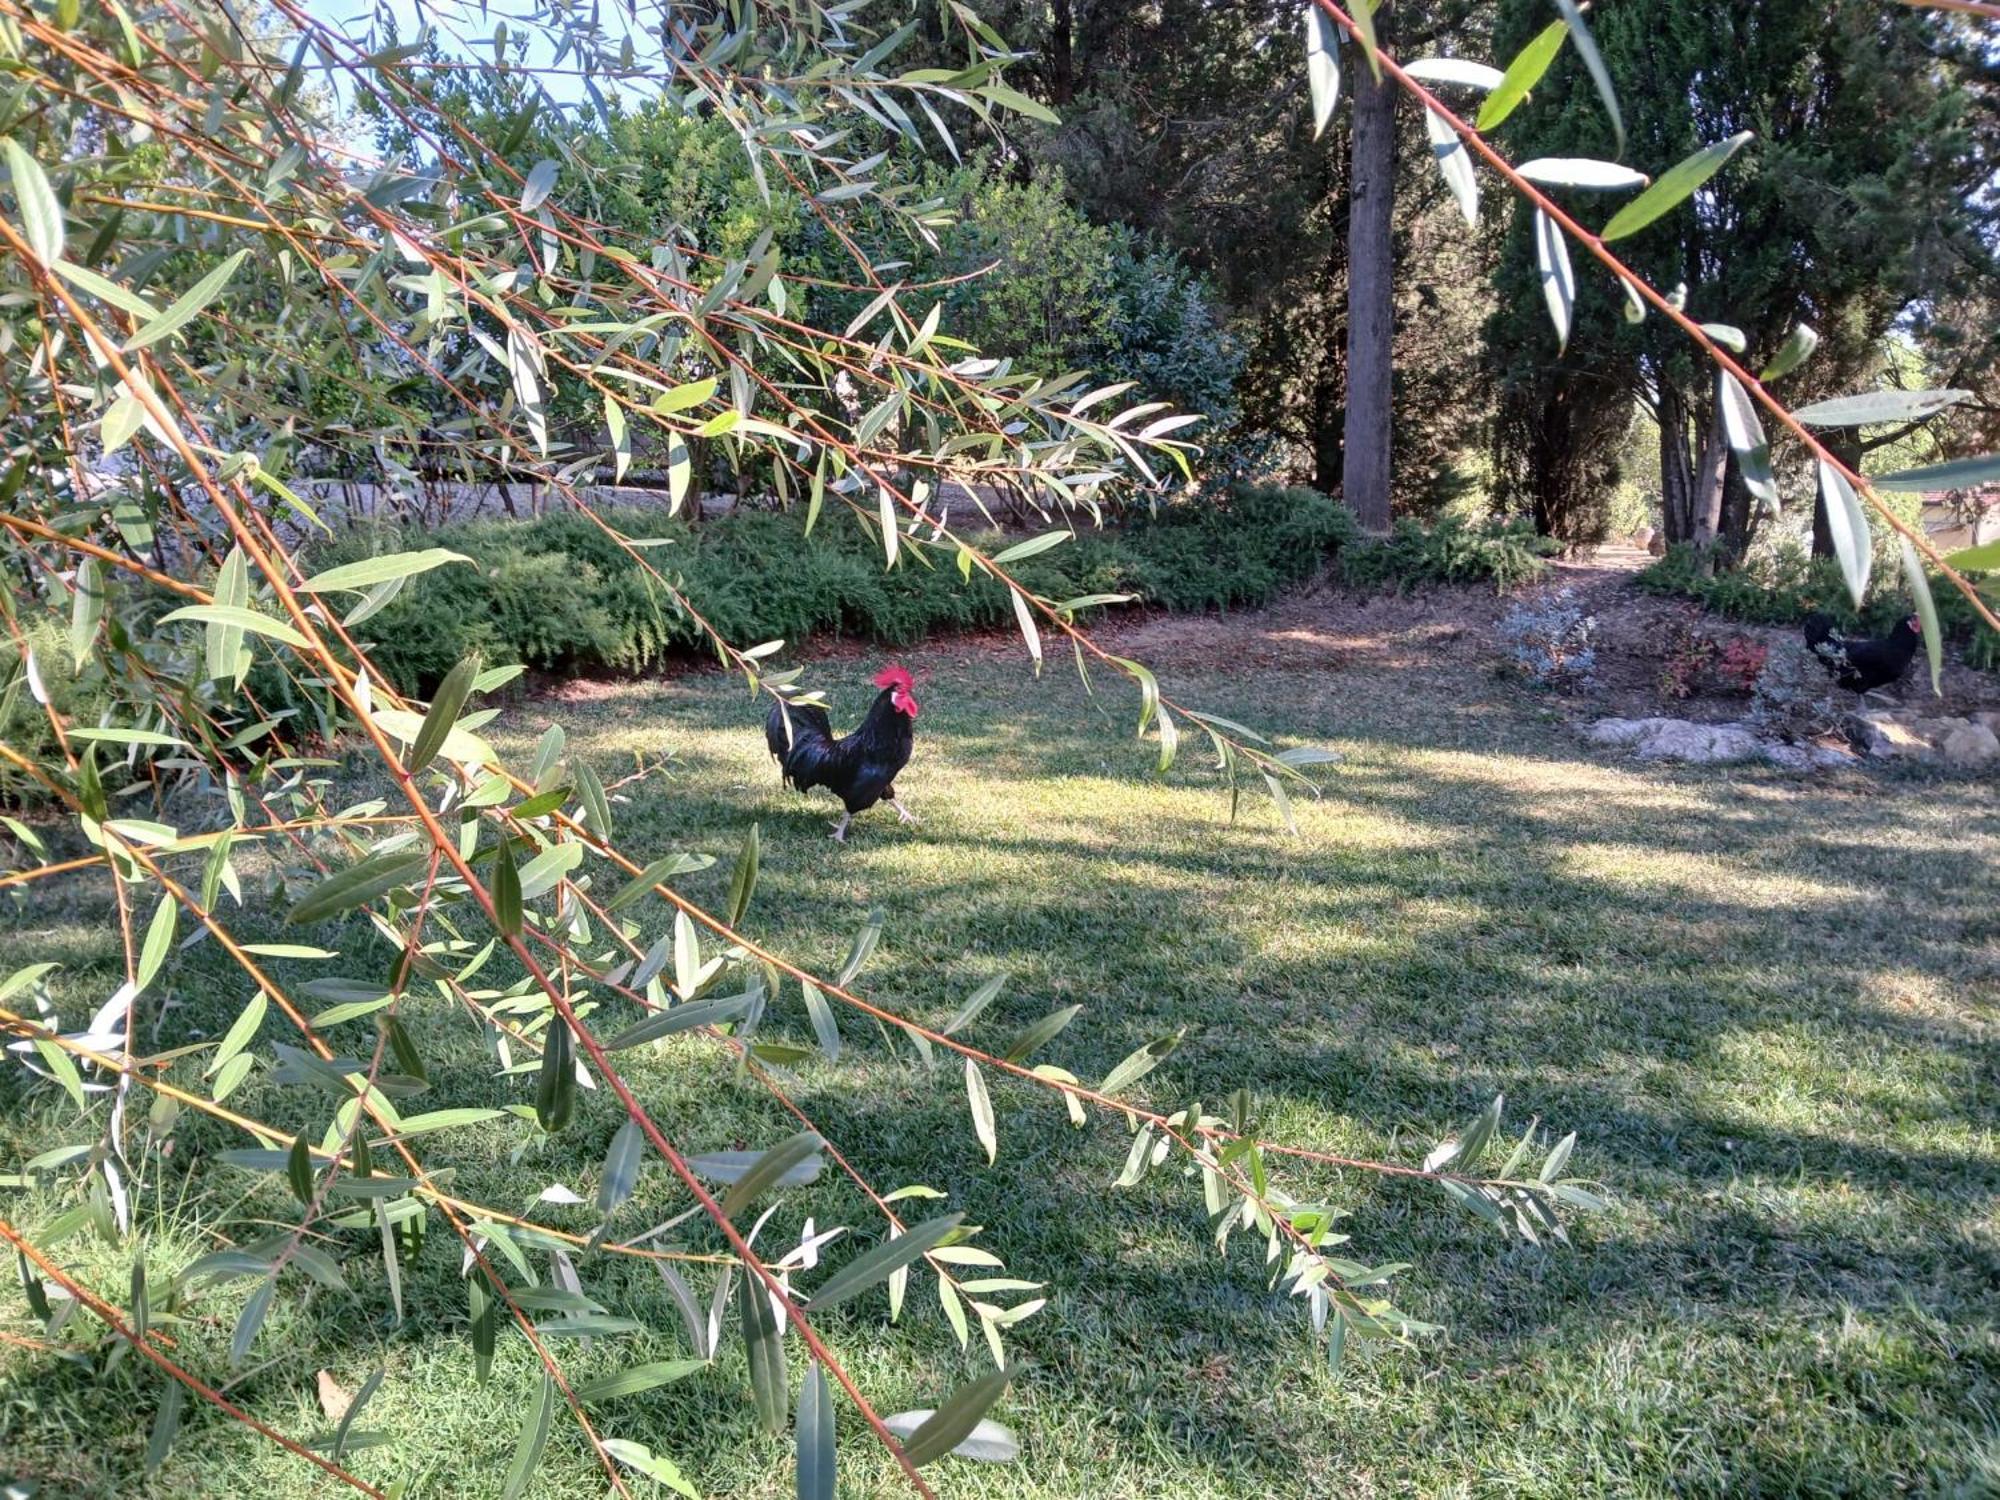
[1693, 465]
[1739, 516]
[1676, 469]
[1365, 470]
[1062, 53]
[1710, 468]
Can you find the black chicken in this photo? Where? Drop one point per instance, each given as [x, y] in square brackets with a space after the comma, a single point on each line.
[1861, 664]
[859, 768]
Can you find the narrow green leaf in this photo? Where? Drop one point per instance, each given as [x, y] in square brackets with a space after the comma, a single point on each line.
[354, 1408]
[541, 179]
[1041, 1033]
[772, 1165]
[299, 1168]
[765, 1346]
[743, 884]
[485, 1325]
[159, 941]
[979, 1000]
[555, 1083]
[356, 885]
[240, 1032]
[63, 1066]
[1558, 278]
[240, 618]
[1795, 351]
[714, 1011]
[637, 1379]
[982, 1111]
[1920, 591]
[878, 1263]
[1677, 184]
[1586, 47]
[166, 1425]
[534, 1435]
[1582, 172]
[105, 290]
[596, 806]
[356, 577]
[444, 711]
[955, 1421]
[657, 873]
[41, 213]
[1140, 1063]
[1847, 523]
[1879, 408]
[506, 891]
[621, 1167]
[250, 1320]
[1522, 74]
[816, 1476]
[1745, 434]
[1454, 164]
[823, 1024]
[1958, 474]
[864, 945]
[188, 306]
[86, 609]
[1985, 558]
[1322, 66]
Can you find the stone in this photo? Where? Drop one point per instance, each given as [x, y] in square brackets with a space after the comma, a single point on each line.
[1623, 731]
[1882, 734]
[1678, 739]
[1989, 719]
[1970, 747]
[1700, 744]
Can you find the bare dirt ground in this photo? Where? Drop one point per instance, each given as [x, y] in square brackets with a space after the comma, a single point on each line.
[1330, 640]
[1332, 629]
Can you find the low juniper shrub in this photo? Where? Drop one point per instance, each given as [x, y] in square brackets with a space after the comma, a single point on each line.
[1548, 638]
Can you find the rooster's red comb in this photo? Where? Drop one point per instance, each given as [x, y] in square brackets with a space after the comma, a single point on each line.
[895, 675]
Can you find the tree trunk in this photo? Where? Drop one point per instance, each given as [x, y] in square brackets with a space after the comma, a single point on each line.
[1062, 53]
[1676, 469]
[1710, 469]
[1739, 516]
[1365, 470]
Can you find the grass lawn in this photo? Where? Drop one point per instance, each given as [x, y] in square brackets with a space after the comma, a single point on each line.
[1767, 1008]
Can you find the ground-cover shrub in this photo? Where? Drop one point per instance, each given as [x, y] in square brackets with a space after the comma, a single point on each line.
[558, 593]
[1548, 638]
[1697, 662]
[1506, 553]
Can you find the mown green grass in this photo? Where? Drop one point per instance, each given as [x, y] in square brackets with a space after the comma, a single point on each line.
[1766, 1008]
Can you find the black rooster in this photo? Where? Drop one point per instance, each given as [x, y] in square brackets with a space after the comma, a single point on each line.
[859, 768]
[1861, 664]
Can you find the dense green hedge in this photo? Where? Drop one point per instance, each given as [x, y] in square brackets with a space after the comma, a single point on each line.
[1784, 586]
[557, 594]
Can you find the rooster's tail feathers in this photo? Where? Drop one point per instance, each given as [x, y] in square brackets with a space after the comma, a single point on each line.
[800, 735]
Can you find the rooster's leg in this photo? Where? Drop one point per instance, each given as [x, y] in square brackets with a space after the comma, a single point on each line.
[903, 812]
[840, 828]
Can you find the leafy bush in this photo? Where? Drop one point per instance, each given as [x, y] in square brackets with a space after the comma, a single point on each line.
[1507, 553]
[559, 594]
[1549, 638]
[1783, 586]
[81, 698]
[1696, 661]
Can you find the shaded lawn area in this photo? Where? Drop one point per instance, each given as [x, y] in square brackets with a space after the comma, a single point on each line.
[1767, 1009]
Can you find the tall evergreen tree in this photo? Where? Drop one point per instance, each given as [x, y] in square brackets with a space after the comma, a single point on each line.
[1866, 189]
